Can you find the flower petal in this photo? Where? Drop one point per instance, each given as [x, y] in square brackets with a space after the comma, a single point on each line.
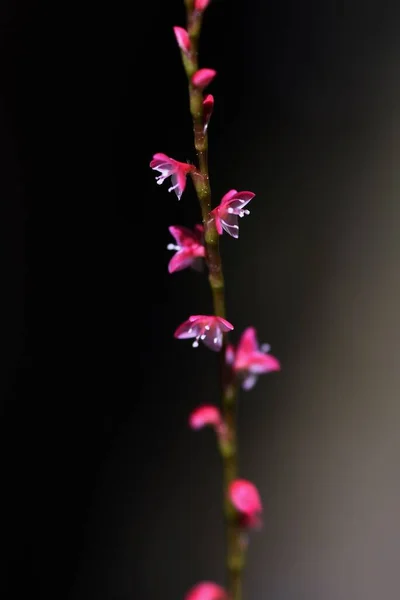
[188, 329]
[240, 199]
[230, 223]
[248, 342]
[181, 260]
[227, 197]
[263, 363]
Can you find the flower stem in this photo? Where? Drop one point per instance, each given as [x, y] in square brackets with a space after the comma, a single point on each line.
[235, 548]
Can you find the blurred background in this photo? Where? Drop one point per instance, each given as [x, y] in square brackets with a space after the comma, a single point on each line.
[109, 495]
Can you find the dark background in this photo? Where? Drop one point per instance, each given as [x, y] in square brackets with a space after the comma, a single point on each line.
[108, 495]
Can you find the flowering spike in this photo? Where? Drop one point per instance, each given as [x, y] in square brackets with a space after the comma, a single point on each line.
[225, 216]
[201, 5]
[168, 167]
[245, 498]
[203, 77]
[189, 248]
[206, 590]
[250, 360]
[208, 329]
[208, 107]
[182, 38]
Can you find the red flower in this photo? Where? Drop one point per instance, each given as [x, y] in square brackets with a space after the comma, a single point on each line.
[226, 214]
[250, 360]
[189, 248]
[245, 498]
[182, 37]
[206, 590]
[168, 167]
[209, 329]
[203, 77]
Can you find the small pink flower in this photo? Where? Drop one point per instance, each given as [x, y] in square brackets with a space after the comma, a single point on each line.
[250, 360]
[203, 77]
[182, 37]
[168, 167]
[206, 590]
[226, 214]
[208, 107]
[245, 498]
[201, 5]
[189, 248]
[209, 329]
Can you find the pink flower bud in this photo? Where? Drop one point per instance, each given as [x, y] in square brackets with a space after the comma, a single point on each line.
[206, 590]
[245, 498]
[208, 107]
[182, 37]
[203, 77]
[205, 415]
[201, 5]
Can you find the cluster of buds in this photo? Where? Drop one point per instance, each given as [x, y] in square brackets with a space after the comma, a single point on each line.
[248, 360]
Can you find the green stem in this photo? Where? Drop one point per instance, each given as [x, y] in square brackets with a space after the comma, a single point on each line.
[235, 551]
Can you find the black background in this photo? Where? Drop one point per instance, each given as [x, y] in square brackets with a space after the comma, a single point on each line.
[109, 496]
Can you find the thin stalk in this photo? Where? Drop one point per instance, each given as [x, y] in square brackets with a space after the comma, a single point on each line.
[235, 551]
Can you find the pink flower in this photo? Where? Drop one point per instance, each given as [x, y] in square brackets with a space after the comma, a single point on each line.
[201, 5]
[182, 37]
[189, 248]
[250, 360]
[168, 167]
[226, 214]
[208, 329]
[203, 77]
[208, 107]
[206, 590]
[245, 498]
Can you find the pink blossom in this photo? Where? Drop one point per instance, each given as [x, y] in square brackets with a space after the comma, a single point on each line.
[182, 37]
[208, 107]
[189, 248]
[203, 77]
[168, 167]
[206, 590]
[226, 214]
[250, 360]
[245, 498]
[201, 5]
[208, 329]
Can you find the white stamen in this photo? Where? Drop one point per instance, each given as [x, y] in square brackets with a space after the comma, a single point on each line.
[190, 330]
[203, 337]
[195, 343]
[230, 210]
[215, 340]
[173, 187]
[207, 327]
[265, 348]
[173, 247]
